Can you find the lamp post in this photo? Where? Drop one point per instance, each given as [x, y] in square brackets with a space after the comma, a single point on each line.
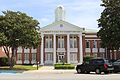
[37, 65]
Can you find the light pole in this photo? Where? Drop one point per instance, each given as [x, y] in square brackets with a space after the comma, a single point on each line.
[37, 65]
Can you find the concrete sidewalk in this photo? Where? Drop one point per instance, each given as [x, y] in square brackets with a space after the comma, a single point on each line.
[50, 69]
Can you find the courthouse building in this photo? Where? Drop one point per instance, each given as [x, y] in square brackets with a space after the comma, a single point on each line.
[63, 41]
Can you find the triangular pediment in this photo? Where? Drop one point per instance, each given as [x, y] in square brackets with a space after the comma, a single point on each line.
[62, 26]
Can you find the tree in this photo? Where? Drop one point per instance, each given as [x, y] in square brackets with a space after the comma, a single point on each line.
[17, 29]
[109, 24]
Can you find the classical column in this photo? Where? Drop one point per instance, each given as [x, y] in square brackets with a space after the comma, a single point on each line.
[42, 41]
[54, 47]
[80, 48]
[68, 48]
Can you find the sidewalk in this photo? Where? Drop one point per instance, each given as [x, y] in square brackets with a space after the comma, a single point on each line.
[50, 69]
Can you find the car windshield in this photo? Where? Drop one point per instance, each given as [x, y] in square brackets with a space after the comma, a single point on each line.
[107, 61]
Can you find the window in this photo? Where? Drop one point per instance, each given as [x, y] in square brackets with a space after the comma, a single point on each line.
[48, 57]
[87, 44]
[26, 56]
[19, 56]
[48, 43]
[73, 56]
[94, 44]
[73, 42]
[33, 56]
[60, 42]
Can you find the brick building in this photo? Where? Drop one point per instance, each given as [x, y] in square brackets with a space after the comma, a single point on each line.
[62, 40]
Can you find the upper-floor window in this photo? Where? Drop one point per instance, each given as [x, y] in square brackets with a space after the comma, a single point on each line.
[94, 44]
[48, 42]
[87, 44]
[61, 42]
[73, 42]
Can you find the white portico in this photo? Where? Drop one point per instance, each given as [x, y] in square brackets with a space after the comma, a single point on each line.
[61, 41]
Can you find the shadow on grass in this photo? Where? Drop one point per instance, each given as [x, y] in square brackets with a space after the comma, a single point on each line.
[17, 69]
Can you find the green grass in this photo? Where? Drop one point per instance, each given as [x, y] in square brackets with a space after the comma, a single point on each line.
[19, 67]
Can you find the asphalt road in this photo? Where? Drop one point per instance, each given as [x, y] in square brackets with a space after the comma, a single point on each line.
[57, 75]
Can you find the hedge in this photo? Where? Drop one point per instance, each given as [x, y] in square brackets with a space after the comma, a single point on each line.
[63, 66]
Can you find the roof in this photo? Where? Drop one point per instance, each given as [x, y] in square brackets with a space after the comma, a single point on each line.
[62, 26]
[91, 30]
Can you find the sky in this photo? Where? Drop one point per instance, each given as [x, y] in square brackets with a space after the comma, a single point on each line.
[83, 13]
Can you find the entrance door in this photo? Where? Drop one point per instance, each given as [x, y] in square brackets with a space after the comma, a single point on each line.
[61, 57]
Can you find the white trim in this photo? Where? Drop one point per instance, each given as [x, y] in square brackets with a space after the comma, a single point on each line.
[93, 39]
[90, 35]
[73, 50]
[49, 49]
[42, 41]
[80, 48]
[68, 48]
[61, 50]
[54, 48]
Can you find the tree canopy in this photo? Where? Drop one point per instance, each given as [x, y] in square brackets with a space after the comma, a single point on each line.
[109, 24]
[18, 29]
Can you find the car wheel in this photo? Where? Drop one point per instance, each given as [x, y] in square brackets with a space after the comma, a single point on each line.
[97, 71]
[79, 71]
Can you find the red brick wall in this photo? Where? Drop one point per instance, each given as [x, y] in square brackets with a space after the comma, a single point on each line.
[83, 43]
[65, 44]
[44, 49]
[30, 55]
[56, 48]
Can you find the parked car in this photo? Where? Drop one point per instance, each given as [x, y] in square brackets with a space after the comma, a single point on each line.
[95, 65]
[116, 65]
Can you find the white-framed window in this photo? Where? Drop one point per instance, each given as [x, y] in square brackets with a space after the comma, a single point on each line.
[94, 44]
[48, 42]
[48, 56]
[19, 56]
[61, 42]
[87, 44]
[33, 56]
[73, 56]
[26, 55]
[73, 42]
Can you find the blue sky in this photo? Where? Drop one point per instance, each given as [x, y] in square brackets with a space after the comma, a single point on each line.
[82, 13]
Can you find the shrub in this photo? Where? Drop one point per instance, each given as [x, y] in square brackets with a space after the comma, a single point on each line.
[4, 61]
[87, 58]
[63, 66]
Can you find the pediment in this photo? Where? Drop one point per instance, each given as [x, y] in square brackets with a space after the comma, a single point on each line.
[62, 26]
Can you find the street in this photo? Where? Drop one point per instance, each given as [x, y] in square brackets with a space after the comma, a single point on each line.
[57, 75]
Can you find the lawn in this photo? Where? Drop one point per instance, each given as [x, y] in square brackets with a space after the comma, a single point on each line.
[19, 67]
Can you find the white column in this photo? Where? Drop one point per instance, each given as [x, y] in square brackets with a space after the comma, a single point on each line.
[115, 51]
[42, 41]
[68, 48]
[80, 48]
[54, 53]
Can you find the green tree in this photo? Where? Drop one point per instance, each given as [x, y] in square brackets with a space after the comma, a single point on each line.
[109, 24]
[17, 29]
